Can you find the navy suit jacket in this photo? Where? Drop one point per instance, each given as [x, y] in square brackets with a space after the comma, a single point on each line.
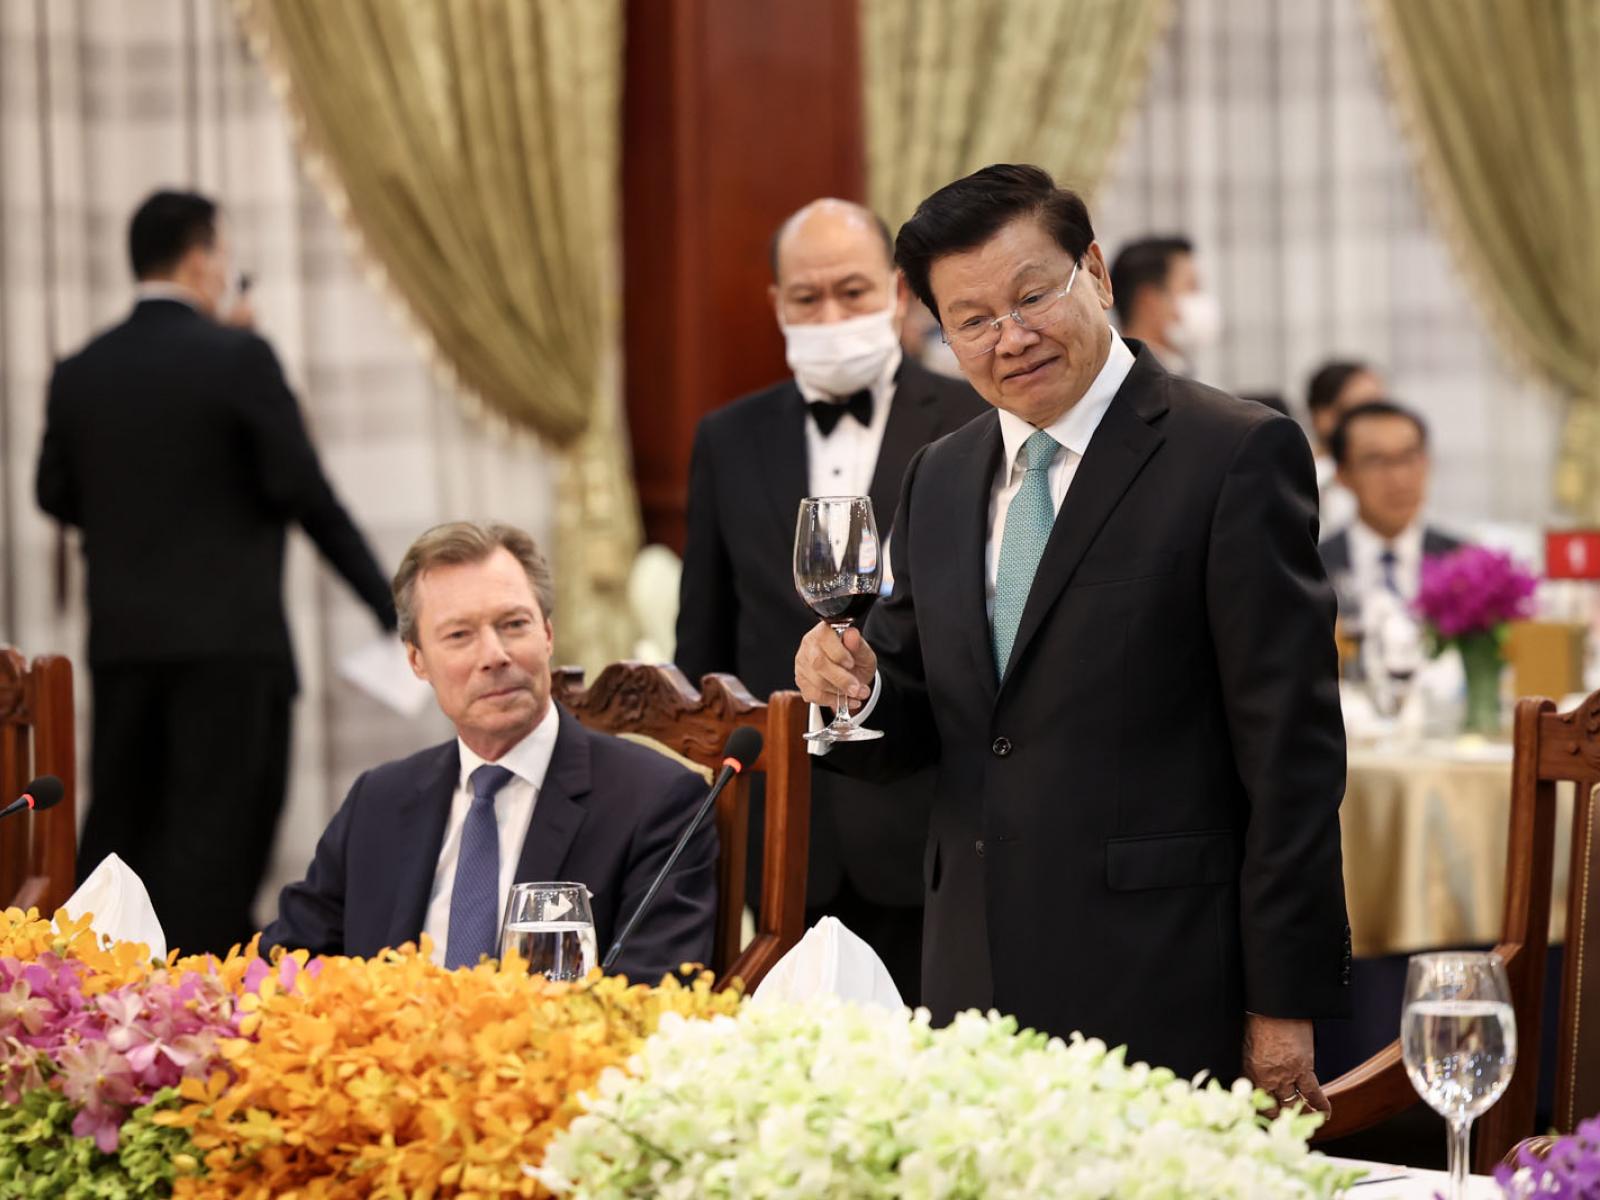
[607, 816]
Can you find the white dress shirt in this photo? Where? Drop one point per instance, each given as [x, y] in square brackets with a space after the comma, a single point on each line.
[1073, 429]
[843, 463]
[163, 289]
[1366, 560]
[527, 761]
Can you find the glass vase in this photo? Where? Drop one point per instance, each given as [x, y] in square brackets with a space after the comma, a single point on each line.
[1481, 659]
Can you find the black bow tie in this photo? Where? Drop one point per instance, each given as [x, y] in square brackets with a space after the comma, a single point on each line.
[827, 413]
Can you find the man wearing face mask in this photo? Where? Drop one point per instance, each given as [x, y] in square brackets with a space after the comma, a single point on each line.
[846, 423]
[1159, 301]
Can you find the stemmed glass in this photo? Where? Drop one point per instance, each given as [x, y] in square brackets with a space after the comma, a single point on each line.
[838, 571]
[1458, 1036]
[549, 926]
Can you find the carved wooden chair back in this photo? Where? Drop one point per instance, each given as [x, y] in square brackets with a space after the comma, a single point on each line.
[1549, 747]
[659, 703]
[37, 850]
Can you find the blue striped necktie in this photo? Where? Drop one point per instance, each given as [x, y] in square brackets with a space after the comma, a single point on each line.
[475, 897]
[1028, 523]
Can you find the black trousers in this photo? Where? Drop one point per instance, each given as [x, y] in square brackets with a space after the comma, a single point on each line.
[894, 932]
[189, 763]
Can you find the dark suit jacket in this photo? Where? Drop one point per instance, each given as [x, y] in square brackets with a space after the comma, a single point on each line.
[174, 443]
[1336, 550]
[739, 611]
[1137, 834]
[607, 816]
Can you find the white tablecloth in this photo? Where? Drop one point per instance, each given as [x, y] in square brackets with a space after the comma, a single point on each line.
[1403, 1183]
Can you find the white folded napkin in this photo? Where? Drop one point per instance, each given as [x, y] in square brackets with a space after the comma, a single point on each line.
[831, 961]
[120, 906]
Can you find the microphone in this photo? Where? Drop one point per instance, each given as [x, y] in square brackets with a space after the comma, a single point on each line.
[743, 748]
[44, 792]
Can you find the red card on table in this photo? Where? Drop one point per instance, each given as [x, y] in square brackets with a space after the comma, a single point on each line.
[1572, 554]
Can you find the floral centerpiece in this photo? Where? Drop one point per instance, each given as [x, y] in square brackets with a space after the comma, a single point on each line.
[834, 1100]
[1467, 599]
[93, 1043]
[1566, 1168]
[334, 1077]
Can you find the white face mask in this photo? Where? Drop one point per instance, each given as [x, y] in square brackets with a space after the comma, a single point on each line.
[841, 357]
[1198, 325]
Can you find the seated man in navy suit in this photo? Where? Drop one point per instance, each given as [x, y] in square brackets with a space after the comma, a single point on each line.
[432, 843]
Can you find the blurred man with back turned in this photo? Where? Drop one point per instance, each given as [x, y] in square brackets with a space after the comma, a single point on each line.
[1111, 634]
[173, 442]
[846, 424]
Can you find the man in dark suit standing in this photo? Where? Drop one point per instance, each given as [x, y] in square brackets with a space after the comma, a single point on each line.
[1111, 633]
[846, 424]
[523, 793]
[174, 444]
[1381, 450]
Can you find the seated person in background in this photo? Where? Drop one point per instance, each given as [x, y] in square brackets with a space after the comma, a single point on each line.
[523, 793]
[1382, 455]
[1335, 388]
[1159, 301]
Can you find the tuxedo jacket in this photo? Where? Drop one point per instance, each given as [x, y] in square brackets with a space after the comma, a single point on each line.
[1336, 550]
[175, 444]
[1136, 834]
[607, 816]
[739, 612]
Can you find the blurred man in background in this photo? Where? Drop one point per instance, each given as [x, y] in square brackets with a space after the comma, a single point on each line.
[1160, 302]
[173, 442]
[1381, 450]
[1333, 390]
[846, 423]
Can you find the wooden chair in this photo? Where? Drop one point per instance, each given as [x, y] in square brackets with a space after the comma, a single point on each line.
[659, 703]
[1548, 748]
[37, 850]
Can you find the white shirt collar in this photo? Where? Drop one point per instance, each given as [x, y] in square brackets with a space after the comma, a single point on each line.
[880, 387]
[1367, 544]
[1076, 426]
[528, 760]
[164, 289]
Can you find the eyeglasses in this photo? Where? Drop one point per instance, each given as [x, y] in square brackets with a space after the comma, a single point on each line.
[1404, 460]
[976, 336]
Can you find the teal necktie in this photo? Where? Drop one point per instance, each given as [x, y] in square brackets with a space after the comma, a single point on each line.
[1028, 523]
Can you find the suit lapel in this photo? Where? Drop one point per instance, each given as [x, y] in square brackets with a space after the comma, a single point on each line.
[424, 814]
[969, 534]
[782, 451]
[1118, 451]
[559, 811]
[913, 421]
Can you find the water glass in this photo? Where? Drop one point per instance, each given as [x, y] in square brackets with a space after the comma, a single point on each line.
[549, 926]
[1458, 1036]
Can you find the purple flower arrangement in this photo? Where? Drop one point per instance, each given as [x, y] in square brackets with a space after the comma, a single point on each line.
[1566, 1169]
[107, 1052]
[1473, 590]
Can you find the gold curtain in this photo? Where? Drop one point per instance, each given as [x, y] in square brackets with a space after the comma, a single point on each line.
[472, 147]
[953, 85]
[1501, 99]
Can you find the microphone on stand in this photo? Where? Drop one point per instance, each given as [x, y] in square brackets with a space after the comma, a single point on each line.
[742, 749]
[44, 792]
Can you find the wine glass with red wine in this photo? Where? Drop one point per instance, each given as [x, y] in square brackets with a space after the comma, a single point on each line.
[838, 569]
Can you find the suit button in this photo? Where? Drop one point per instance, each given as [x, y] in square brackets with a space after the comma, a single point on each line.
[1001, 747]
[978, 846]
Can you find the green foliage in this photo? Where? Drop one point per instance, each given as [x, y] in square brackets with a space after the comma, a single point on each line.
[41, 1159]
